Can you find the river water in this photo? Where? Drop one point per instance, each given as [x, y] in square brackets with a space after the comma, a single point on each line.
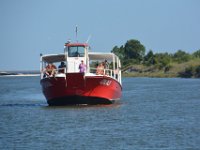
[154, 113]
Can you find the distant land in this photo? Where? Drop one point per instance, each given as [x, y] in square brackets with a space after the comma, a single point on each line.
[20, 73]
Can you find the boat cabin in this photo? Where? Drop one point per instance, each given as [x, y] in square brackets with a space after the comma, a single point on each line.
[97, 64]
[75, 53]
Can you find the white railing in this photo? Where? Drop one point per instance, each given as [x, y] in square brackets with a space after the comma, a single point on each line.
[113, 73]
[107, 72]
[60, 72]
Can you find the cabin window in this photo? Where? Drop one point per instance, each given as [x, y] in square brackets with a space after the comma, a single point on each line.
[76, 51]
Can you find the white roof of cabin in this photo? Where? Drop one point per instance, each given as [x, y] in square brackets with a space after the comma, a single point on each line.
[101, 56]
[53, 58]
[92, 56]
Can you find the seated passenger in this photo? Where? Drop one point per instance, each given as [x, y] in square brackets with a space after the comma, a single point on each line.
[50, 70]
[100, 69]
[61, 67]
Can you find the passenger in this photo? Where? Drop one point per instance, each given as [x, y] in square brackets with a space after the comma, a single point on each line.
[82, 67]
[106, 66]
[61, 67]
[100, 69]
[50, 70]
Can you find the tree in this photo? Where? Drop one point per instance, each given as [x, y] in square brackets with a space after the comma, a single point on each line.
[162, 60]
[118, 51]
[133, 49]
[149, 58]
[196, 54]
[181, 56]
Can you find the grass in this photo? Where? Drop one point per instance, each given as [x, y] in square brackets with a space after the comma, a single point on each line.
[152, 71]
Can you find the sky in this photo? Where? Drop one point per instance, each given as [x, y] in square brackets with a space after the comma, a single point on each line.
[31, 27]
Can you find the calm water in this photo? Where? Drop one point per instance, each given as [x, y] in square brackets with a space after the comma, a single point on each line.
[153, 114]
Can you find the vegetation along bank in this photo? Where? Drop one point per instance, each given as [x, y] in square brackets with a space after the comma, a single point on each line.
[136, 62]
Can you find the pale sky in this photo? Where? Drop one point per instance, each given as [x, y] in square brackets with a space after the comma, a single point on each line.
[31, 27]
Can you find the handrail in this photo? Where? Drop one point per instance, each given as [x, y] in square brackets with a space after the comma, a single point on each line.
[108, 72]
[113, 73]
[56, 71]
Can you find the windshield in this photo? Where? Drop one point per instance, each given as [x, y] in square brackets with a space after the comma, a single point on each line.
[76, 51]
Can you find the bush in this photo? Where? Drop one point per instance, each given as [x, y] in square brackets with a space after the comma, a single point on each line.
[197, 72]
[191, 71]
[188, 73]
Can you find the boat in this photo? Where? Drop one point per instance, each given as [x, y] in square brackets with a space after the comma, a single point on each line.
[71, 87]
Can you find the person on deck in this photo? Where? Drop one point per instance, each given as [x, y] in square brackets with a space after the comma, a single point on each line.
[100, 69]
[50, 70]
[106, 67]
[61, 67]
[82, 67]
[106, 64]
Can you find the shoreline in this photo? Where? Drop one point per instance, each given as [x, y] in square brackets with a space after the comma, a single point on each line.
[130, 74]
[155, 75]
[20, 75]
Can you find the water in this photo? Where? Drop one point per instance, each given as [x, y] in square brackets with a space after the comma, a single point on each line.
[153, 114]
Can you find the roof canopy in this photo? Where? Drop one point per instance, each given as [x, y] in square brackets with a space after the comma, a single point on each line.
[92, 56]
[53, 58]
[101, 56]
[76, 44]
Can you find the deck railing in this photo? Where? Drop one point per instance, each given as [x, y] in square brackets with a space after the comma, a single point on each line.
[60, 72]
[108, 72]
[56, 72]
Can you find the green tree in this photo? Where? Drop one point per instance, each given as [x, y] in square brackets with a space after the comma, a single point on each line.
[133, 49]
[119, 52]
[162, 60]
[181, 56]
[149, 58]
[196, 54]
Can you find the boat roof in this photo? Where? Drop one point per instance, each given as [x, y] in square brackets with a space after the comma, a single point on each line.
[53, 58]
[101, 56]
[76, 44]
[92, 56]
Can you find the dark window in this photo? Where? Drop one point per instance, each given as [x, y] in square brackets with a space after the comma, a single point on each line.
[76, 51]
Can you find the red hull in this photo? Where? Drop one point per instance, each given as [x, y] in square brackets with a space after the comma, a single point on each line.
[79, 89]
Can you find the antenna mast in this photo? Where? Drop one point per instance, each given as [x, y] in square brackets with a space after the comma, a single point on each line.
[76, 33]
[88, 38]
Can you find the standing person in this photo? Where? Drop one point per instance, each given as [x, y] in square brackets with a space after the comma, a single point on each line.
[106, 64]
[106, 67]
[82, 67]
